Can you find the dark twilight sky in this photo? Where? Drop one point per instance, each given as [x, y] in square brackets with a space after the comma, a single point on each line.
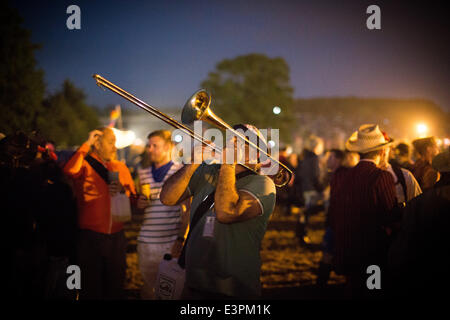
[162, 50]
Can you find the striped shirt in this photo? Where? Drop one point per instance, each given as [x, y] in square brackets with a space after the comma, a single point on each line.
[161, 223]
[361, 201]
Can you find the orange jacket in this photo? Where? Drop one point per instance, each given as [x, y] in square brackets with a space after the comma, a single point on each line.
[94, 205]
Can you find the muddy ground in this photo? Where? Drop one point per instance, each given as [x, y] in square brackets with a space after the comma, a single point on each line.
[288, 268]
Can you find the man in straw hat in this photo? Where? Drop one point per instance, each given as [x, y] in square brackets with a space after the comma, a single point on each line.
[360, 200]
[417, 258]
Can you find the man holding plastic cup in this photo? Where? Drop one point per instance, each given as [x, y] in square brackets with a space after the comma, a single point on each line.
[164, 227]
[101, 247]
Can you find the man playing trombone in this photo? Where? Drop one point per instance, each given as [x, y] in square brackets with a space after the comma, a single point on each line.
[230, 210]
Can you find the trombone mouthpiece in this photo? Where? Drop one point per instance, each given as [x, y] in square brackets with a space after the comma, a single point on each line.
[98, 79]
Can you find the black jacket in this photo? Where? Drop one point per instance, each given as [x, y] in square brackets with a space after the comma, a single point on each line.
[418, 258]
[310, 172]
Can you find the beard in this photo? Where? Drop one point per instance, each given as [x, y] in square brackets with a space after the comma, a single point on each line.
[156, 158]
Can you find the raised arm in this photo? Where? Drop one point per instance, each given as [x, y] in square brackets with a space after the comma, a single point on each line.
[73, 166]
[174, 190]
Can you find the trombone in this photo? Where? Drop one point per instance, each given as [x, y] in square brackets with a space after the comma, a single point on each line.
[197, 108]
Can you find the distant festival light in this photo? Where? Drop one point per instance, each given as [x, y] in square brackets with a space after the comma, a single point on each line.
[422, 129]
[446, 141]
[276, 110]
[124, 138]
[139, 142]
[178, 138]
[271, 143]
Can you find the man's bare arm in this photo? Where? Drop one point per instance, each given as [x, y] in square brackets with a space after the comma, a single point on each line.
[174, 190]
[74, 165]
[232, 205]
[185, 216]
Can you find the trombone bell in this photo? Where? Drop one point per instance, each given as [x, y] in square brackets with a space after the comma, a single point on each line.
[196, 106]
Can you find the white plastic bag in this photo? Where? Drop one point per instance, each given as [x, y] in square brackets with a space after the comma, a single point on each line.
[120, 208]
[170, 279]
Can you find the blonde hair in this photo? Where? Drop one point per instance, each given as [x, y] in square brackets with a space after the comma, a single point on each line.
[166, 135]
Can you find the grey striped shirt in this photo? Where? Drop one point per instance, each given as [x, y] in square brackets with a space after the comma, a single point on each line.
[161, 223]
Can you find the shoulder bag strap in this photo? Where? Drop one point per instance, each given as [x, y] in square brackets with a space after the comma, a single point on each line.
[98, 167]
[401, 179]
[200, 212]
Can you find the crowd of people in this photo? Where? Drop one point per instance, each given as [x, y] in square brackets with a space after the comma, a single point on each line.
[383, 208]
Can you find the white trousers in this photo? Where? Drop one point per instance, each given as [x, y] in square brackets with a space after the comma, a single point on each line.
[150, 256]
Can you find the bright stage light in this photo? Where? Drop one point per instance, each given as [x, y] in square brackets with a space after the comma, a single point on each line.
[139, 142]
[124, 138]
[422, 129]
[178, 138]
[271, 143]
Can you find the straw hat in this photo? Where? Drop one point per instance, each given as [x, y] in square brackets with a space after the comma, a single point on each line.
[368, 138]
[441, 162]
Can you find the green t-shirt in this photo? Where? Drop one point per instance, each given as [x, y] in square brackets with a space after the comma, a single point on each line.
[227, 260]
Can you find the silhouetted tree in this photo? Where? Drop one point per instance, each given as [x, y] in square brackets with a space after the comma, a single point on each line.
[245, 90]
[67, 119]
[21, 82]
